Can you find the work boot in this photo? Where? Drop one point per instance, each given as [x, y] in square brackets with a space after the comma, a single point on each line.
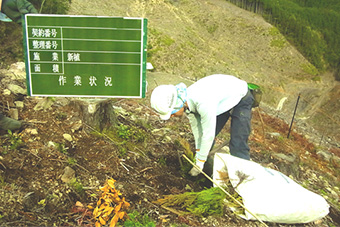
[7, 123]
[208, 169]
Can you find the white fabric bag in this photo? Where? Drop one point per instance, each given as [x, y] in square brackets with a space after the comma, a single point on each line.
[269, 194]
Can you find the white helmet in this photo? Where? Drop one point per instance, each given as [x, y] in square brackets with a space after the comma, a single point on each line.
[163, 100]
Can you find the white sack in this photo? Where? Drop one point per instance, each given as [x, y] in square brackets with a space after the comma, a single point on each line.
[269, 194]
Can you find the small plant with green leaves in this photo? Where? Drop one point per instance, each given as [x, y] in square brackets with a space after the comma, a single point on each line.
[61, 116]
[42, 203]
[71, 161]
[15, 140]
[204, 203]
[139, 135]
[76, 186]
[124, 132]
[122, 152]
[310, 69]
[62, 148]
[162, 161]
[138, 220]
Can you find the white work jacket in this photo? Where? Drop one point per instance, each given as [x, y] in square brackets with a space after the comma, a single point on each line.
[207, 98]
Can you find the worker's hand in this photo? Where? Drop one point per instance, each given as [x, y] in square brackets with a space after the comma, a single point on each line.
[15, 8]
[197, 169]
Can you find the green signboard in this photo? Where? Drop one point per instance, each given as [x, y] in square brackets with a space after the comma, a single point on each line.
[85, 56]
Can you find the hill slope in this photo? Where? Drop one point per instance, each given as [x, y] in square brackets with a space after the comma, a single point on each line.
[192, 39]
[37, 185]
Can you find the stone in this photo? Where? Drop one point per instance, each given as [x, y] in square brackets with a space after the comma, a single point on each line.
[68, 175]
[324, 155]
[17, 89]
[68, 137]
[19, 104]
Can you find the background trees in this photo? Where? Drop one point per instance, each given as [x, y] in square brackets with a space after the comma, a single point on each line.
[313, 26]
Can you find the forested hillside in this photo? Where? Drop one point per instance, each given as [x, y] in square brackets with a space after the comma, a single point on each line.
[312, 26]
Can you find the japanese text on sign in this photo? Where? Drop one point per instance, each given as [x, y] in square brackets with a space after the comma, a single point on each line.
[85, 56]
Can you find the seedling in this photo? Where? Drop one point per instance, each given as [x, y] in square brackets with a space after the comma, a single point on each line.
[138, 220]
[15, 140]
[76, 186]
[71, 161]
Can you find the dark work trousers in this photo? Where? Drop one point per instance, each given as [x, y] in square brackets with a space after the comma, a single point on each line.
[239, 130]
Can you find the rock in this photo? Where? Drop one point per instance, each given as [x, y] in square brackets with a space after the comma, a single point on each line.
[76, 126]
[68, 137]
[32, 131]
[324, 155]
[17, 89]
[119, 110]
[68, 175]
[6, 92]
[51, 144]
[274, 134]
[18, 71]
[19, 104]
[13, 113]
[288, 158]
[160, 131]
[44, 104]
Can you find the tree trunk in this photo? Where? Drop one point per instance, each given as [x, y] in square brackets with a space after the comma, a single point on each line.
[96, 113]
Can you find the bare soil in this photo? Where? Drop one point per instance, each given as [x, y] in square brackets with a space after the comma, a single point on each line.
[187, 40]
[143, 160]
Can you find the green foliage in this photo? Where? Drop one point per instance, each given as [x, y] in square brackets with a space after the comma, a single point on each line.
[122, 151]
[212, 28]
[138, 220]
[14, 140]
[139, 135]
[61, 116]
[71, 161]
[133, 133]
[77, 186]
[310, 69]
[208, 202]
[204, 203]
[42, 203]
[123, 131]
[61, 148]
[313, 26]
[279, 43]
[317, 78]
[274, 31]
[162, 161]
[157, 41]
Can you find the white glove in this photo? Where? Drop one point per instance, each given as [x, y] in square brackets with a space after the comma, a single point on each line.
[194, 170]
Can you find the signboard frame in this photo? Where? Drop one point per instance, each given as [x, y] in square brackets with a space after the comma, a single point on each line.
[119, 52]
